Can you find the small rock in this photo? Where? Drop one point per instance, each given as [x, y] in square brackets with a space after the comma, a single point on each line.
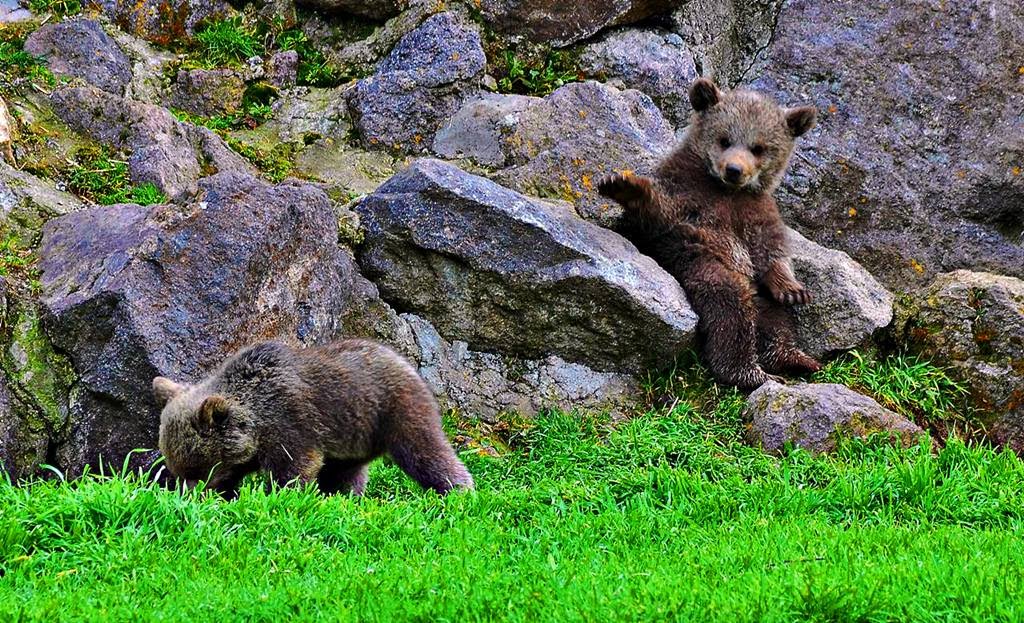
[208, 92]
[849, 304]
[424, 80]
[283, 69]
[973, 323]
[509, 274]
[813, 416]
[645, 61]
[561, 24]
[79, 47]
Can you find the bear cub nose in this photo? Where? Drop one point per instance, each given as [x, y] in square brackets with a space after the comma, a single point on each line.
[733, 173]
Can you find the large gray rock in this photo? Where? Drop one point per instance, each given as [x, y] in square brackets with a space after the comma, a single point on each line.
[80, 48]
[650, 61]
[164, 22]
[27, 201]
[973, 323]
[373, 9]
[485, 385]
[562, 23]
[562, 145]
[208, 92]
[424, 80]
[915, 168]
[813, 416]
[726, 37]
[849, 304]
[509, 274]
[164, 151]
[131, 292]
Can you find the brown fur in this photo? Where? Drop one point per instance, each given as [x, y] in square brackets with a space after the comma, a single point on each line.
[708, 217]
[306, 414]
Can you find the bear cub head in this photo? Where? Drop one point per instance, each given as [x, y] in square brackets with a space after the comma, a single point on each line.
[201, 429]
[744, 138]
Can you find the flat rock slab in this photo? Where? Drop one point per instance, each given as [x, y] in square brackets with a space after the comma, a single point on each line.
[509, 274]
[813, 416]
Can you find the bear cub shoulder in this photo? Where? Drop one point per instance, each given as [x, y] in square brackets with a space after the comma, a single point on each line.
[306, 414]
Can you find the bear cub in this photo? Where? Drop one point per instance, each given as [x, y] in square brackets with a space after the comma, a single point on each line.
[306, 414]
[708, 217]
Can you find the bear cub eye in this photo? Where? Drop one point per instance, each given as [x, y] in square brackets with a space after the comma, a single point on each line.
[725, 142]
[757, 150]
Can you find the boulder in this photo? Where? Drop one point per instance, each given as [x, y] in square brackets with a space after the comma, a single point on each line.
[813, 416]
[424, 80]
[283, 69]
[164, 22]
[654, 62]
[208, 92]
[130, 292]
[973, 323]
[26, 202]
[509, 274]
[849, 304]
[372, 9]
[916, 166]
[79, 48]
[484, 385]
[164, 151]
[726, 37]
[559, 24]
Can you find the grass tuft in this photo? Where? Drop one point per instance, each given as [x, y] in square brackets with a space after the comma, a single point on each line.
[98, 176]
[537, 76]
[59, 8]
[227, 43]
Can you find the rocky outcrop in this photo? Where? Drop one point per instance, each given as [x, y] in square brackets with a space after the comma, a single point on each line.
[164, 151]
[562, 145]
[813, 416]
[973, 323]
[518, 276]
[849, 304]
[164, 22]
[81, 49]
[561, 24]
[916, 167]
[420, 84]
[484, 385]
[654, 62]
[131, 292]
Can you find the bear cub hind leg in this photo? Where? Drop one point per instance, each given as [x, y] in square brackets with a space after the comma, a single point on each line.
[776, 340]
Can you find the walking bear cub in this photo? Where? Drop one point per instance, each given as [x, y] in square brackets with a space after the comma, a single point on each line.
[306, 414]
[708, 218]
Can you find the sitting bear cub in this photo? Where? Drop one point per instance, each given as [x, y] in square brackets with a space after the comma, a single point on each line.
[306, 414]
[708, 218]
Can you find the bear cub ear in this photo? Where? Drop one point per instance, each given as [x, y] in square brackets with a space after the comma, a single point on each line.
[165, 389]
[801, 119]
[214, 411]
[704, 94]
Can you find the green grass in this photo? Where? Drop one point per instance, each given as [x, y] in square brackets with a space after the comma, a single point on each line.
[227, 42]
[18, 68]
[59, 8]
[16, 260]
[534, 77]
[100, 177]
[314, 68]
[665, 517]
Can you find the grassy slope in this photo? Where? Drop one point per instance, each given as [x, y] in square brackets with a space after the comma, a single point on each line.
[668, 515]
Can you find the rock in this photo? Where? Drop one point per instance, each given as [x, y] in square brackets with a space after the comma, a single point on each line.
[517, 276]
[813, 415]
[164, 22]
[343, 169]
[726, 36]
[916, 166]
[973, 323]
[208, 92]
[164, 151]
[309, 112]
[561, 24]
[131, 292]
[562, 146]
[646, 61]
[283, 69]
[424, 80]
[485, 385]
[13, 15]
[373, 9]
[79, 47]
[478, 130]
[849, 304]
[26, 202]
[147, 67]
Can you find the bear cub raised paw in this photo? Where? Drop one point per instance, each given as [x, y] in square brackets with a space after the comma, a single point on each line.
[306, 414]
[708, 217]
